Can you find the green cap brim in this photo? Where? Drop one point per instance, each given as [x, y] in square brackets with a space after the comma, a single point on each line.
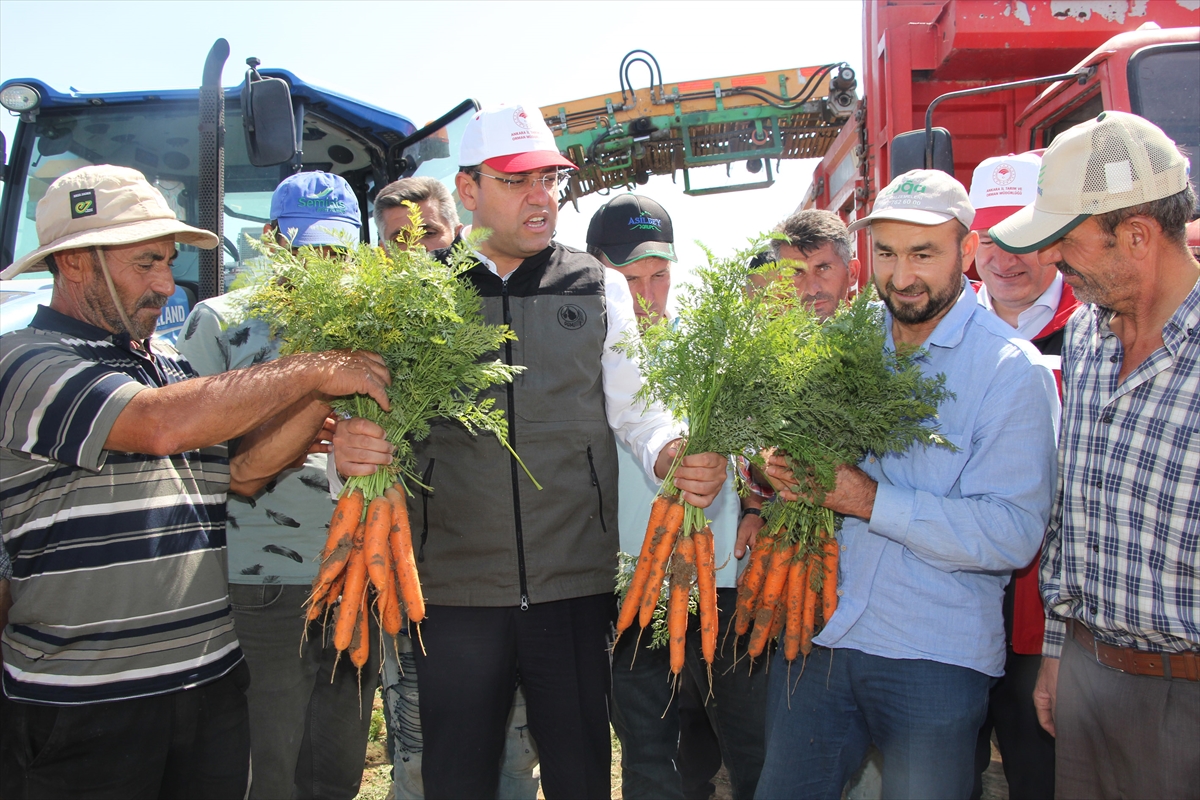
[1030, 230]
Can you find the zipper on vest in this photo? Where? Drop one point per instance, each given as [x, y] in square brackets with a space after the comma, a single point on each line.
[425, 479]
[599, 492]
[512, 462]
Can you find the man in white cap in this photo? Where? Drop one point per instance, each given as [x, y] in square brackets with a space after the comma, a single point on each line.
[930, 535]
[307, 735]
[518, 579]
[1120, 677]
[122, 669]
[1032, 298]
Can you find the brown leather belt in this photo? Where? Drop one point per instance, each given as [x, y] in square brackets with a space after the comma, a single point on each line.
[1184, 666]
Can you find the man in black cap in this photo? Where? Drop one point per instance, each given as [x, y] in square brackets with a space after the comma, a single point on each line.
[671, 754]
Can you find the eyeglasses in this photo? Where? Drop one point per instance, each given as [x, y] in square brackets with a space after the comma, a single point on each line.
[550, 181]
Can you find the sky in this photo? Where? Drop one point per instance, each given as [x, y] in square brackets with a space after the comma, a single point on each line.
[421, 59]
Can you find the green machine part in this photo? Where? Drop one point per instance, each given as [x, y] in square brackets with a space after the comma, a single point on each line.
[620, 141]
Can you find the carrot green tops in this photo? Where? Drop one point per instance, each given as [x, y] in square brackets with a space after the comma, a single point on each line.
[119, 574]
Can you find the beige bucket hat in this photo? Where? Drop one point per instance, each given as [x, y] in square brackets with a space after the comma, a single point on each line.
[1114, 161]
[104, 206]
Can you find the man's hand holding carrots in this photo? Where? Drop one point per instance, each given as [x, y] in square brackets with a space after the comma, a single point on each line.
[360, 447]
[853, 496]
[698, 477]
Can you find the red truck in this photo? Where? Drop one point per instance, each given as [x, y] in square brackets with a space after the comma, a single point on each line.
[1141, 56]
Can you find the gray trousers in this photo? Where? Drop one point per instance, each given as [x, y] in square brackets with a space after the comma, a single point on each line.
[1123, 735]
[308, 721]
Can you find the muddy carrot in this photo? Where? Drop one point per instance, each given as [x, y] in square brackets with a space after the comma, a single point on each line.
[752, 581]
[637, 585]
[658, 564]
[352, 593]
[400, 539]
[375, 542]
[338, 544]
[829, 596]
[773, 586]
[798, 576]
[360, 641]
[685, 552]
[706, 580]
[810, 607]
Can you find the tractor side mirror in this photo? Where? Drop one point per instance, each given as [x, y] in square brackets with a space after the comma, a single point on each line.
[267, 118]
[909, 151]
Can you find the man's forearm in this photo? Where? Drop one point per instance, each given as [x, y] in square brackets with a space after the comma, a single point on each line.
[269, 449]
[201, 412]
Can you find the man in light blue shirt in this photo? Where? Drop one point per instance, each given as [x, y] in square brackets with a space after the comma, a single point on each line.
[930, 535]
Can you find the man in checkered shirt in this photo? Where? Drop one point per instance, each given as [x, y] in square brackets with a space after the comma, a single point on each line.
[1119, 682]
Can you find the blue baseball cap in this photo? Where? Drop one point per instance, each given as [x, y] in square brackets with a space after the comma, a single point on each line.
[319, 206]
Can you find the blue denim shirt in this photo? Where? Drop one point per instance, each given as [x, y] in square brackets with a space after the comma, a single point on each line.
[925, 577]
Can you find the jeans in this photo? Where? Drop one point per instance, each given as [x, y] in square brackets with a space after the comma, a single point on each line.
[401, 703]
[1026, 750]
[309, 722]
[924, 716]
[646, 716]
[193, 743]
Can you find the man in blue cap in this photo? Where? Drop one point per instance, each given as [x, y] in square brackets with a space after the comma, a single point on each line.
[307, 735]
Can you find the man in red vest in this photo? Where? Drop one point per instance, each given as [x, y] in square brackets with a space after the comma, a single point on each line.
[1033, 299]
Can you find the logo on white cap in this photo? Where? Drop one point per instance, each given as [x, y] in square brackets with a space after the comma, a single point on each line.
[520, 118]
[1004, 174]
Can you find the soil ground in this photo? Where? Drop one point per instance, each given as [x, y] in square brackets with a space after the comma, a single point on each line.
[377, 781]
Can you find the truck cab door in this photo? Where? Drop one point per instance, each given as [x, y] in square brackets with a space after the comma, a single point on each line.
[433, 151]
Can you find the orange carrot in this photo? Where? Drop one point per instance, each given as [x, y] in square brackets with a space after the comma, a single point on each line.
[779, 615]
[810, 607]
[340, 541]
[389, 613]
[752, 581]
[829, 596]
[658, 564]
[773, 586]
[706, 579]
[360, 641]
[655, 529]
[375, 542]
[352, 593]
[400, 539]
[798, 577]
[677, 606]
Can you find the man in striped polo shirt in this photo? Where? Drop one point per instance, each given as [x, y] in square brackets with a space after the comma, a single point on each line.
[122, 672]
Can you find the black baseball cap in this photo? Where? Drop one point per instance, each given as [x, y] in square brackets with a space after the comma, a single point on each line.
[631, 227]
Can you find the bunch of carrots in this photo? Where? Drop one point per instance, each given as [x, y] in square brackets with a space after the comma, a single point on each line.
[377, 547]
[780, 590]
[692, 561]
[429, 327]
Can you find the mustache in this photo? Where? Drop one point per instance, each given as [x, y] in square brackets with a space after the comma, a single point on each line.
[152, 300]
[912, 290]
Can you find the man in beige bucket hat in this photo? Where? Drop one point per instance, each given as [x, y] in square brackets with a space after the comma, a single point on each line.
[115, 470]
[1119, 684]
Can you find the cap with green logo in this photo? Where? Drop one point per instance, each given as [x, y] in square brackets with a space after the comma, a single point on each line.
[631, 227]
[1116, 160]
[316, 208]
[921, 197]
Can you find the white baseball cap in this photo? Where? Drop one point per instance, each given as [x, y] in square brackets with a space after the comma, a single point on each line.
[1002, 186]
[104, 206]
[510, 138]
[1116, 160]
[922, 197]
